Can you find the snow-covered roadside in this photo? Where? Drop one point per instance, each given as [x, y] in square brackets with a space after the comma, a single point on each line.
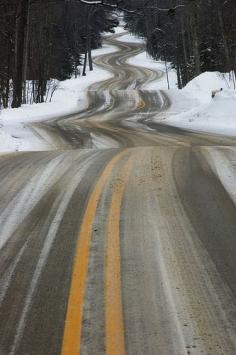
[194, 109]
[127, 37]
[222, 162]
[69, 98]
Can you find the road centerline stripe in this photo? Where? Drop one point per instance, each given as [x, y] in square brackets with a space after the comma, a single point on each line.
[115, 341]
[141, 104]
[74, 315]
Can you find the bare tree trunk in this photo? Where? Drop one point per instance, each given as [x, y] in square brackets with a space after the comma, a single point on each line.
[186, 71]
[90, 12]
[26, 52]
[225, 42]
[90, 55]
[6, 99]
[194, 31]
[85, 63]
[21, 19]
[179, 77]
[167, 74]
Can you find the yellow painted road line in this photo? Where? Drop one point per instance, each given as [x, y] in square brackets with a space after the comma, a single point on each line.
[74, 316]
[141, 104]
[115, 342]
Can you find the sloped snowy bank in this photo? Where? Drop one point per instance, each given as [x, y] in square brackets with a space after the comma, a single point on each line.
[194, 108]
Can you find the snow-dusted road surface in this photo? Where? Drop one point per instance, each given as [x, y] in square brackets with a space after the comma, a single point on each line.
[120, 239]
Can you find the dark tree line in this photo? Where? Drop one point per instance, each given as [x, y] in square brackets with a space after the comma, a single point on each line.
[42, 41]
[194, 35]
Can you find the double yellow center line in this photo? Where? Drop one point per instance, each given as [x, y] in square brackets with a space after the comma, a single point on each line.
[115, 344]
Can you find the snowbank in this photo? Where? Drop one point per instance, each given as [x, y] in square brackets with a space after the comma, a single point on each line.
[202, 86]
[193, 108]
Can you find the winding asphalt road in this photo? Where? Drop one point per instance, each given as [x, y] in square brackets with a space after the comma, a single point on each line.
[127, 249]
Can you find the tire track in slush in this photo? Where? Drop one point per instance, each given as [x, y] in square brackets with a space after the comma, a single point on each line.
[62, 200]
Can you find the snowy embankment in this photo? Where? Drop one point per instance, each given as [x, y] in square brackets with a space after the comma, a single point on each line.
[69, 98]
[193, 107]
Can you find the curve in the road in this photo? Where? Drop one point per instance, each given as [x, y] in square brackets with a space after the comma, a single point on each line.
[120, 110]
[119, 250]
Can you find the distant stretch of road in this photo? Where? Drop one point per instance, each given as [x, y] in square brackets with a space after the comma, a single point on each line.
[121, 238]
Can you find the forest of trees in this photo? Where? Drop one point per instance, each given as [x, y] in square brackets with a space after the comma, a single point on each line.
[193, 35]
[43, 41]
